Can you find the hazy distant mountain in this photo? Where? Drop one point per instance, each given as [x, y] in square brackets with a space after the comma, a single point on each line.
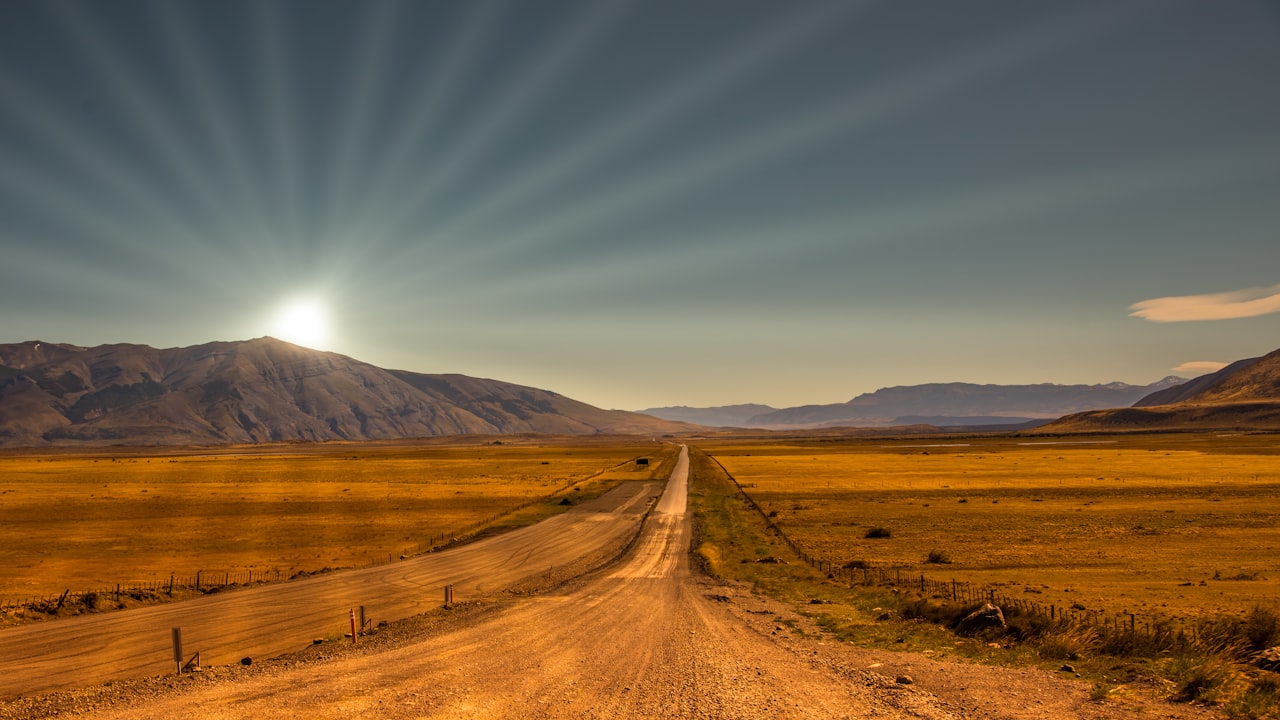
[263, 390]
[1244, 395]
[722, 416]
[960, 404]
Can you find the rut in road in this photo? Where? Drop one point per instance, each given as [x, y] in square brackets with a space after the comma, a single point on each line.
[639, 641]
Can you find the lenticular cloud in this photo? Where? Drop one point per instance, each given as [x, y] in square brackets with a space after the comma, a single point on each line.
[1200, 367]
[1249, 302]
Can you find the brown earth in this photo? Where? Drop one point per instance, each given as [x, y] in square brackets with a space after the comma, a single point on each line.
[646, 637]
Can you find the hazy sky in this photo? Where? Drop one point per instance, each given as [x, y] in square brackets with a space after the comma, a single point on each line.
[648, 202]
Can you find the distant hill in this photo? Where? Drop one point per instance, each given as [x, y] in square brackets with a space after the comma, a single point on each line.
[263, 390]
[958, 404]
[1244, 395]
[721, 416]
[1191, 388]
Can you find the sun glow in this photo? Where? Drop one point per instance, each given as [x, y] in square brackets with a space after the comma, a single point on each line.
[303, 321]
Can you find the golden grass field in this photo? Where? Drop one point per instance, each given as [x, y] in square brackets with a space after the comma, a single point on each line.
[92, 520]
[1164, 526]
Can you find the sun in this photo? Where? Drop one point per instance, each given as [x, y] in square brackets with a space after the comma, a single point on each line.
[303, 321]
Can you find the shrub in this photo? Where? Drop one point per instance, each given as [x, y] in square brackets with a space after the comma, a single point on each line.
[1261, 629]
[1206, 679]
[876, 533]
[937, 557]
[1069, 642]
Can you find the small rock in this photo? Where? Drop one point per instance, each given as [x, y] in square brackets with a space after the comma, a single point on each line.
[987, 616]
[1269, 659]
[887, 615]
[317, 641]
[246, 661]
[904, 680]
[1067, 668]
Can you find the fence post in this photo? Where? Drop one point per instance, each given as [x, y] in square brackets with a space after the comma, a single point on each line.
[355, 633]
[177, 648]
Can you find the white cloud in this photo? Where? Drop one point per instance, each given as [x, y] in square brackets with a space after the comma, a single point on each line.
[1199, 367]
[1249, 302]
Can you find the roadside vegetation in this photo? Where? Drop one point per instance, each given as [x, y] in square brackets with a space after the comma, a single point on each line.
[91, 522]
[1206, 658]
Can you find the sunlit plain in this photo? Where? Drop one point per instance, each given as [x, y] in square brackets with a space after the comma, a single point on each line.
[1170, 527]
[88, 522]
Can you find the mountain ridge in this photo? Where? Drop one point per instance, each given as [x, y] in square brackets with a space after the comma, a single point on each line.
[951, 404]
[1244, 395]
[264, 390]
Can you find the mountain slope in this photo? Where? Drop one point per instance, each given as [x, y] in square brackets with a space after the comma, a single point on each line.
[1193, 387]
[262, 390]
[958, 401]
[1243, 395]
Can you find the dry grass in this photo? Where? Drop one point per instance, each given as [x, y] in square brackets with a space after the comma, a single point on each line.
[86, 521]
[1160, 526]
[1209, 664]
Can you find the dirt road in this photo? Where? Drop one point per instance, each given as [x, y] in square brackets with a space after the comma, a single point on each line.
[274, 619]
[647, 637]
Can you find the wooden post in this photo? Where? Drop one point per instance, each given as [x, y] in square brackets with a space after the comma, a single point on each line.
[177, 648]
[448, 595]
[354, 632]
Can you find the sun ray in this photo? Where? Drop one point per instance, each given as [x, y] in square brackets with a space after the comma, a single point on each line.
[364, 84]
[214, 104]
[648, 114]
[276, 96]
[150, 120]
[518, 93]
[835, 241]
[106, 225]
[117, 179]
[452, 64]
[892, 97]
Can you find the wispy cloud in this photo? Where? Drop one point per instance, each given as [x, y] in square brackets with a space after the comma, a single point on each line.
[1249, 302]
[1199, 367]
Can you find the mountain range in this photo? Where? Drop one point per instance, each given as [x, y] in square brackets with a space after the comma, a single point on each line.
[264, 390]
[1244, 395]
[941, 404]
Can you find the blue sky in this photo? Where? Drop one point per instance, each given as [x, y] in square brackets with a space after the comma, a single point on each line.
[642, 203]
